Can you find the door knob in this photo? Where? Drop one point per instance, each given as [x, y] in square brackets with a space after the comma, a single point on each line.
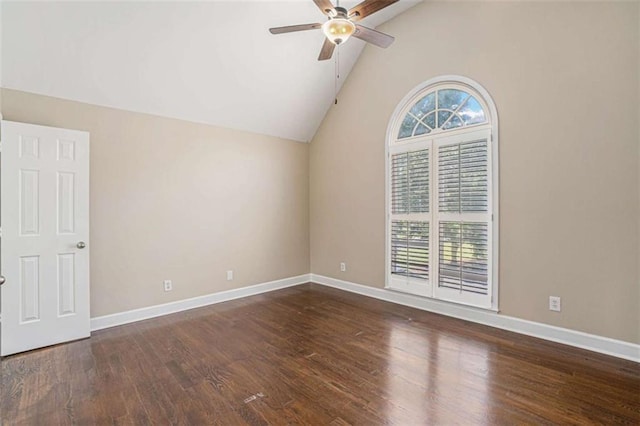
[81, 245]
[2, 279]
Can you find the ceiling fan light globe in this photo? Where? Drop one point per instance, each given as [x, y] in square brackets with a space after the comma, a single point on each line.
[338, 30]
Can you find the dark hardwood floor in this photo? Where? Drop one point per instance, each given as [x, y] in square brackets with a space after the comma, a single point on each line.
[314, 355]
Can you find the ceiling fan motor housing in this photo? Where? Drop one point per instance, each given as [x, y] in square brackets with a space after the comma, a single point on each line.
[340, 12]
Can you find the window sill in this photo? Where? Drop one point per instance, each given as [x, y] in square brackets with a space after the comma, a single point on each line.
[443, 302]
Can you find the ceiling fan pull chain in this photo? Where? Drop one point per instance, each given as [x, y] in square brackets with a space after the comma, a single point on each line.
[335, 87]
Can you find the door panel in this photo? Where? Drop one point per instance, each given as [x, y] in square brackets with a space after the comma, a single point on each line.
[29, 196]
[66, 284]
[44, 178]
[29, 288]
[66, 202]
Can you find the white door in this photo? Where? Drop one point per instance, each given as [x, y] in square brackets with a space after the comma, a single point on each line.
[44, 250]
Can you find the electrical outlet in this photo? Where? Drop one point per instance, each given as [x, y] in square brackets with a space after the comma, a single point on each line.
[229, 275]
[168, 286]
[555, 303]
[343, 267]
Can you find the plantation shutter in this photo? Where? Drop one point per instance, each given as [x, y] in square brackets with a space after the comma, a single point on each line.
[410, 182]
[463, 227]
[463, 256]
[409, 209]
[462, 177]
[410, 248]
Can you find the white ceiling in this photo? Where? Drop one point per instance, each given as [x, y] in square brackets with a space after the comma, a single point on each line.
[209, 62]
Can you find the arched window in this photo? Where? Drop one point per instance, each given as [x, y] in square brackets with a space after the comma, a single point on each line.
[442, 192]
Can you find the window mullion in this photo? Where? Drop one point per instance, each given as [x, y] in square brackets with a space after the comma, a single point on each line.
[460, 211]
[459, 179]
[408, 180]
[408, 201]
[434, 243]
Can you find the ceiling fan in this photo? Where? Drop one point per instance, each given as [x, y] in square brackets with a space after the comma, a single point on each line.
[341, 25]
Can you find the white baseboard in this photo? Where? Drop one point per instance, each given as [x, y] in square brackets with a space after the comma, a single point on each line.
[565, 336]
[605, 345]
[126, 317]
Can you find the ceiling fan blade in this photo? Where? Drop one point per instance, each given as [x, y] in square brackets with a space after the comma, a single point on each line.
[327, 50]
[293, 28]
[368, 7]
[325, 6]
[372, 36]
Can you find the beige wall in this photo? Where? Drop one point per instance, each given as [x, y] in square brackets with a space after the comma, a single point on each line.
[564, 77]
[182, 201]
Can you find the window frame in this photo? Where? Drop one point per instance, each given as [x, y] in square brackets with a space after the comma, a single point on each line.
[432, 141]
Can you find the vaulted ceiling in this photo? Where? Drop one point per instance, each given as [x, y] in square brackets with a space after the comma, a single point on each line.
[210, 62]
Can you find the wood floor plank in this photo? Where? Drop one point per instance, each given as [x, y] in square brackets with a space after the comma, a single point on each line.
[314, 355]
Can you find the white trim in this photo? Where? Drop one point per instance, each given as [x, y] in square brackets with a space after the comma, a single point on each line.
[604, 345]
[120, 318]
[578, 339]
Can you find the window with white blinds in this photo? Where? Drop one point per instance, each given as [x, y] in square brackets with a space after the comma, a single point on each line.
[410, 200]
[462, 263]
[441, 197]
[463, 177]
[410, 248]
[410, 182]
[463, 188]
